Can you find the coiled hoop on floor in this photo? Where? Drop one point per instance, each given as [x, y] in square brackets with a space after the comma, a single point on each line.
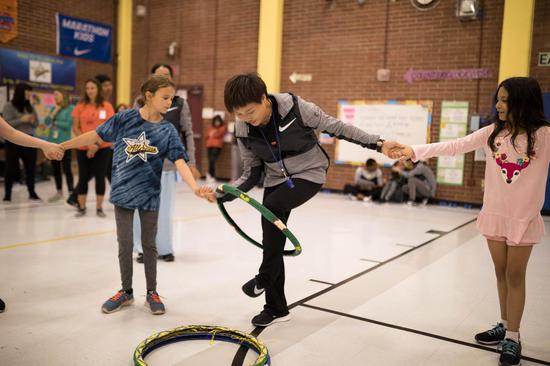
[266, 213]
[212, 333]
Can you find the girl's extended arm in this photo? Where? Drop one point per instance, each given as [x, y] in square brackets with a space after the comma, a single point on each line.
[187, 176]
[88, 138]
[52, 151]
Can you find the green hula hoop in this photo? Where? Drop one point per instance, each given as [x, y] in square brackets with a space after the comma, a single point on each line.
[201, 332]
[266, 213]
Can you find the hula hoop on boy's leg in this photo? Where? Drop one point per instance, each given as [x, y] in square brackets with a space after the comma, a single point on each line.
[201, 332]
[266, 213]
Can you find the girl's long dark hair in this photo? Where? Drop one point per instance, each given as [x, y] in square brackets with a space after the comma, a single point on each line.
[19, 101]
[99, 98]
[525, 112]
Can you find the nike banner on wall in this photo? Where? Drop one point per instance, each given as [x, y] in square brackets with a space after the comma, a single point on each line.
[84, 38]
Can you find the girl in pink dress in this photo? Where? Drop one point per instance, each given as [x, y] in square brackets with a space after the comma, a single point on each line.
[517, 146]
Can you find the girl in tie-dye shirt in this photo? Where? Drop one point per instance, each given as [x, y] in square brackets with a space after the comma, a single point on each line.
[142, 140]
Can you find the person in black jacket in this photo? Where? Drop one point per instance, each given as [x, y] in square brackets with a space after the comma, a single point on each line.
[276, 135]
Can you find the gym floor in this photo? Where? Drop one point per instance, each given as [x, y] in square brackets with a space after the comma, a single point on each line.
[376, 284]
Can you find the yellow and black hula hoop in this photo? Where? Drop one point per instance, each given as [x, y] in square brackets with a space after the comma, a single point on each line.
[211, 333]
[266, 213]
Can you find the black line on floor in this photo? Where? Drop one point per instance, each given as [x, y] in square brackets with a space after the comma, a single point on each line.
[238, 360]
[323, 282]
[438, 232]
[369, 260]
[419, 332]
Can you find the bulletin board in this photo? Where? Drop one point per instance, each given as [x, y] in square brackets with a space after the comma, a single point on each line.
[404, 121]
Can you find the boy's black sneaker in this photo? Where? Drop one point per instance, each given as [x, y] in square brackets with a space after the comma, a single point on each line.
[2, 306]
[492, 336]
[139, 258]
[511, 353]
[252, 289]
[266, 318]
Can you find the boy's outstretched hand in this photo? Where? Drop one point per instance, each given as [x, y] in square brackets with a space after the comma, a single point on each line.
[53, 151]
[206, 192]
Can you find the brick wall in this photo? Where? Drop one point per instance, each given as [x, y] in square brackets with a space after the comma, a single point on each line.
[37, 30]
[216, 39]
[342, 47]
[541, 43]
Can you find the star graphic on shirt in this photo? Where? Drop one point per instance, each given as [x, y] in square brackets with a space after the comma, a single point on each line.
[138, 147]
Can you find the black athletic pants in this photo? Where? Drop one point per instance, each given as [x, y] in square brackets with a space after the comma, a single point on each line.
[13, 154]
[280, 200]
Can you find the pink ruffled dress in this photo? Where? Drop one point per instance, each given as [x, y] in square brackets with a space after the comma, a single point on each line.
[514, 184]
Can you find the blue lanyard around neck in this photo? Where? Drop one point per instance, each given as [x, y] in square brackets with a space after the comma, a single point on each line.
[279, 160]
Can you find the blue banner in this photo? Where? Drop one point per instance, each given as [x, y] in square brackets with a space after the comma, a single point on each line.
[84, 38]
[38, 70]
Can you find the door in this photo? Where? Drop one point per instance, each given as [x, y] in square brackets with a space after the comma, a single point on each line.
[194, 96]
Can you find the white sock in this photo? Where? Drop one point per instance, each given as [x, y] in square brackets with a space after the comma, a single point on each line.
[505, 323]
[512, 335]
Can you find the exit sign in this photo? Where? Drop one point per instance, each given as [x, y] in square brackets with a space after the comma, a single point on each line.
[544, 59]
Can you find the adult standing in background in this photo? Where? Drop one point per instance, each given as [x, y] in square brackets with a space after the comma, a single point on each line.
[179, 115]
[214, 145]
[107, 91]
[106, 86]
[60, 122]
[21, 115]
[92, 160]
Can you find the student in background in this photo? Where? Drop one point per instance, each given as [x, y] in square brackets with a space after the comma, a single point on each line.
[21, 115]
[60, 122]
[421, 183]
[368, 182]
[214, 145]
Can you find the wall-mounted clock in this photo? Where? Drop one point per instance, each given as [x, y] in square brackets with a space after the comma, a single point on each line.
[424, 4]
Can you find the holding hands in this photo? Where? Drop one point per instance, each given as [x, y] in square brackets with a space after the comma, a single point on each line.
[397, 150]
[205, 192]
[53, 151]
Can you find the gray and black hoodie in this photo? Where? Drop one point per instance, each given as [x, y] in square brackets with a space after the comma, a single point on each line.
[302, 156]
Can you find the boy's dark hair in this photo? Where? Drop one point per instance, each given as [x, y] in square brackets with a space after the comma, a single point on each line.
[99, 99]
[156, 66]
[243, 89]
[370, 162]
[102, 78]
[525, 111]
[18, 100]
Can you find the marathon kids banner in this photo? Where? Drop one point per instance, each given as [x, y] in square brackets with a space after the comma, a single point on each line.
[84, 38]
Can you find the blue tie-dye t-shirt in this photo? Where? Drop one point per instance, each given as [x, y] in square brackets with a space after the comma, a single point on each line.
[140, 148]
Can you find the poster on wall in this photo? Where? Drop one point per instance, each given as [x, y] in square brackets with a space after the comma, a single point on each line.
[405, 121]
[8, 20]
[43, 103]
[84, 38]
[454, 124]
[38, 70]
